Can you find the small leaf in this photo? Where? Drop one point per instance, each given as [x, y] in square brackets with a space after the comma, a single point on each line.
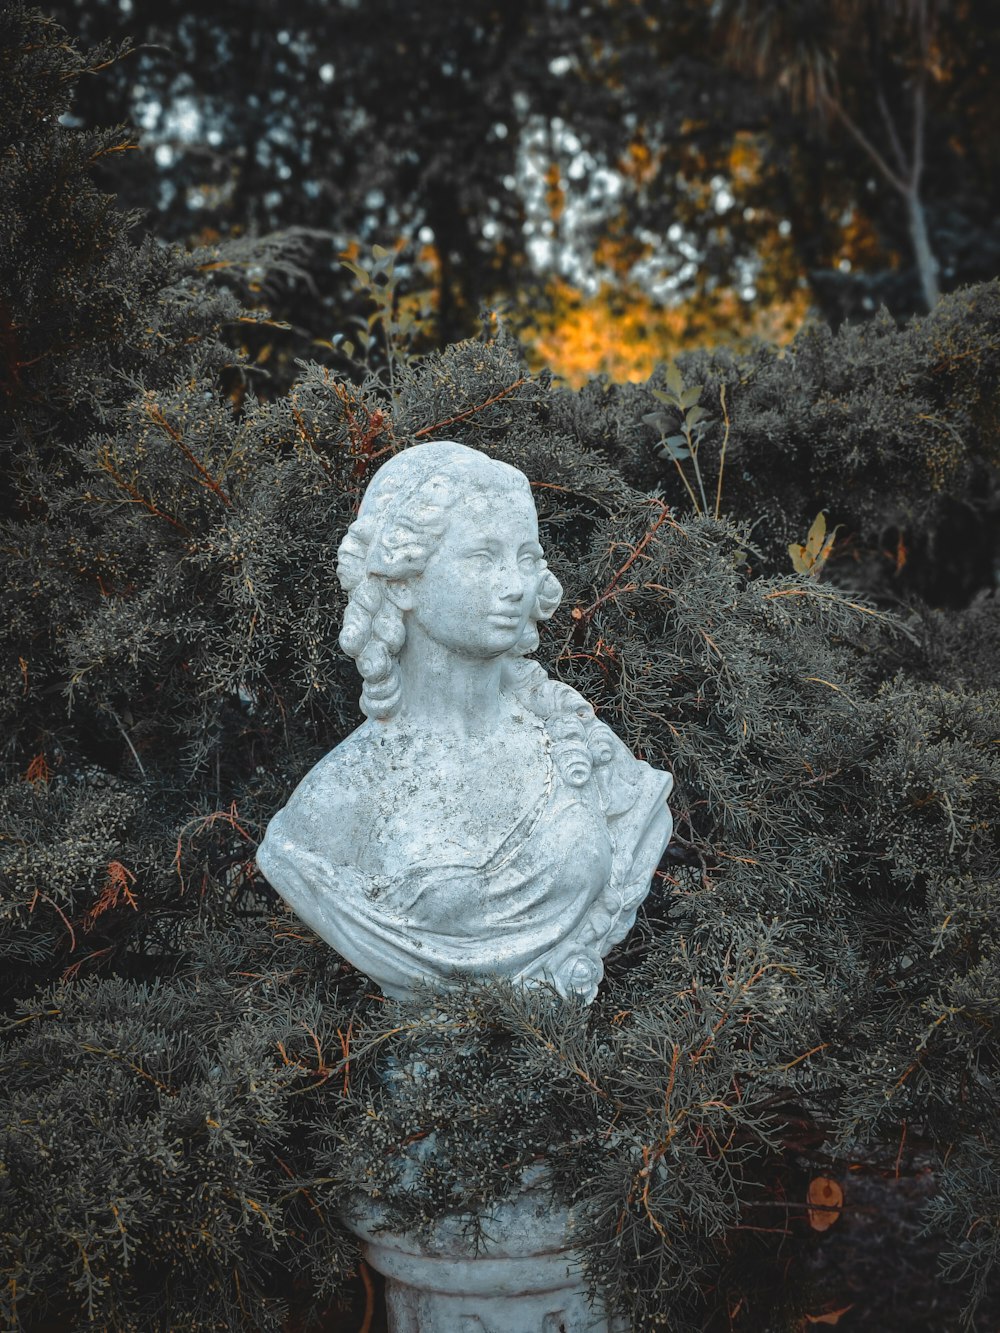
[810, 558]
[817, 535]
[675, 451]
[901, 553]
[690, 396]
[380, 252]
[694, 415]
[829, 1316]
[799, 562]
[670, 398]
[699, 430]
[360, 273]
[658, 420]
[826, 1199]
[675, 381]
[347, 347]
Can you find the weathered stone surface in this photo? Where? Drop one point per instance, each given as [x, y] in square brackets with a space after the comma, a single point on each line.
[524, 1277]
[482, 821]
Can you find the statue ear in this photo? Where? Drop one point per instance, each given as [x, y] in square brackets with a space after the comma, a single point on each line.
[399, 593]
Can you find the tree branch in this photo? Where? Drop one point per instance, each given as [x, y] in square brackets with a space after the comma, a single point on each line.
[890, 126]
[470, 412]
[919, 114]
[859, 136]
[155, 413]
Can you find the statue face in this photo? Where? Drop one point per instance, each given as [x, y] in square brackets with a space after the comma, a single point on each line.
[481, 582]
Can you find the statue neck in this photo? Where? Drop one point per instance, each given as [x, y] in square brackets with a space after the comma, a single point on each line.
[443, 691]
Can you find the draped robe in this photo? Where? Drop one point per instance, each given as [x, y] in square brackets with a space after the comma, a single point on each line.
[544, 902]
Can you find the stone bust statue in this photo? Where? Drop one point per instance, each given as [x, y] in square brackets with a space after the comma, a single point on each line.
[481, 821]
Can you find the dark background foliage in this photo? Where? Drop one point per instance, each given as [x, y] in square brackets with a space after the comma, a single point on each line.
[755, 147]
[193, 1085]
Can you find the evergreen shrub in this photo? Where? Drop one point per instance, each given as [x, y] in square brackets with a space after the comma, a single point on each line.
[192, 1085]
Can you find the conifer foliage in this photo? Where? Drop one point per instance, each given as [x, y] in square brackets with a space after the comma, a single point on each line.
[193, 1087]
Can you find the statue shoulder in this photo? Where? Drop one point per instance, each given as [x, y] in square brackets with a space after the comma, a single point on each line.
[324, 810]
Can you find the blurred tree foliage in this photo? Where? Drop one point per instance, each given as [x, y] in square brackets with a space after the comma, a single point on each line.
[513, 147]
[191, 1086]
[836, 61]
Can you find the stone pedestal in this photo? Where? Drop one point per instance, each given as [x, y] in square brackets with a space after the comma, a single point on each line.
[524, 1278]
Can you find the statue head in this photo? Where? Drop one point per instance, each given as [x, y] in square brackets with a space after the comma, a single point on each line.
[404, 516]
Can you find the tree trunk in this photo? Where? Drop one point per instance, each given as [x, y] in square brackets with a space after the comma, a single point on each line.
[924, 255]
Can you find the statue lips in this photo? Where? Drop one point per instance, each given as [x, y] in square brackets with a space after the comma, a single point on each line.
[512, 621]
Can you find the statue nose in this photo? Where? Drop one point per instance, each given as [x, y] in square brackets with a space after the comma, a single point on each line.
[511, 585]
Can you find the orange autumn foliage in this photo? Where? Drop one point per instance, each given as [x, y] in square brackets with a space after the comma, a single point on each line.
[555, 194]
[38, 770]
[625, 335]
[117, 888]
[639, 163]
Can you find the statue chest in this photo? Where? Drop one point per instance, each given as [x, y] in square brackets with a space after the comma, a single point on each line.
[435, 806]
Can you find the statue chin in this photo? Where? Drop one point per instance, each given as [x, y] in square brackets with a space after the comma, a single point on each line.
[522, 855]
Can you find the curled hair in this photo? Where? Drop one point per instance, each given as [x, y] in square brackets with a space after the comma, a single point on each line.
[402, 518]
[580, 742]
[373, 632]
